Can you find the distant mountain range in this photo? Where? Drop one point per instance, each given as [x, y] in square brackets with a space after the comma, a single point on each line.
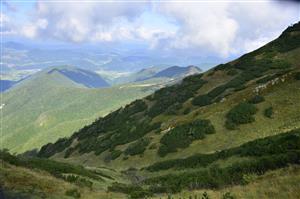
[24, 56]
[177, 71]
[81, 76]
[58, 100]
[173, 72]
[6, 84]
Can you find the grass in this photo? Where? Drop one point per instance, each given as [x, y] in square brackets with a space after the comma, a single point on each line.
[282, 183]
[40, 110]
[283, 98]
[43, 185]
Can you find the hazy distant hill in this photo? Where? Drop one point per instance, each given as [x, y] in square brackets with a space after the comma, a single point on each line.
[6, 84]
[81, 76]
[177, 71]
[152, 73]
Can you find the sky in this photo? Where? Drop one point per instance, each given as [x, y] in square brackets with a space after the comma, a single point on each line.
[211, 28]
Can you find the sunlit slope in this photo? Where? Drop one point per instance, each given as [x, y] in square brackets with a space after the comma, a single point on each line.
[199, 115]
[48, 106]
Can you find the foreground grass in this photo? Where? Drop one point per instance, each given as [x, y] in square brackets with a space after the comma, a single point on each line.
[23, 183]
[282, 183]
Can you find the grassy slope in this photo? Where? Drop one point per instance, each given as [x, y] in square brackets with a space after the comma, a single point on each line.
[282, 183]
[49, 106]
[42, 184]
[283, 96]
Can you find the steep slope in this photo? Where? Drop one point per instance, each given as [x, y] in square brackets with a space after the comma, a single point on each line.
[205, 99]
[50, 105]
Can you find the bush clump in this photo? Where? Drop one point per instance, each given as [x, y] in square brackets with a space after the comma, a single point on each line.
[278, 144]
[240, 114]
[202, 100]
[137, 147]
[268, 112]
[232, 72]
[256, 99]
[297, 76]
[134, 191]
[73, 193]
[183, 135]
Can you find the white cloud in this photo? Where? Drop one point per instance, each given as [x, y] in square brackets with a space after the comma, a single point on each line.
[79, 22]
[226, 27]
[211, 28]
[6, 25]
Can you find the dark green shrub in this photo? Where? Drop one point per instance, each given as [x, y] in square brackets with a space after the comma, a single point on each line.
[268, 112]
[211, 178]
[176, 94]
[202, 100]
[73, 193]
[242, 87]
[115, 154]
[232, 72]
[277, 144]
[182, 136]
[240, 114]
[187, 111]
[230, 125]
[134, 191]
[50, 149]
[266, 79]
[256, 99]
[172, 110]
[55, 168]
[280, 64]
[297, 76]
[137, 147]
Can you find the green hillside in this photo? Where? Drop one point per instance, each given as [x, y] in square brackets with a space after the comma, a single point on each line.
[48, 106]
[226, 133]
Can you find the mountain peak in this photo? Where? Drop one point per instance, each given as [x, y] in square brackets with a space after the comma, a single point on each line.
[81, 76]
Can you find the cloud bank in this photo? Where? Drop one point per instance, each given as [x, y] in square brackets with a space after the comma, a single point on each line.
[221, 28]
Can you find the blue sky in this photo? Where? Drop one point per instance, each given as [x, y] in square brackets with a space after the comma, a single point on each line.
[206, 28]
